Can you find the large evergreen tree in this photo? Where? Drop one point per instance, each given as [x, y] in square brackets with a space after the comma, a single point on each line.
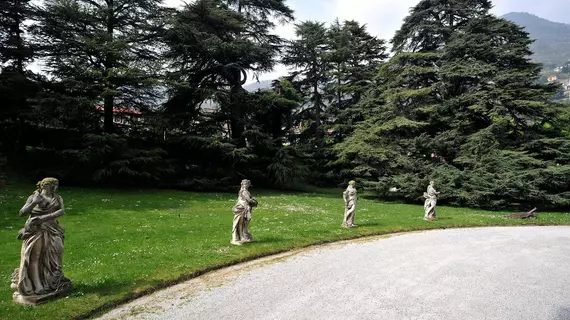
[105, 50]
[99, 53]
[212, 46]
[502, 138]
[202, 54]
[308, 54]
[15, 51]
[431, 23]
[459, 103]
[265, 45]
[355, 56]
[17, 84]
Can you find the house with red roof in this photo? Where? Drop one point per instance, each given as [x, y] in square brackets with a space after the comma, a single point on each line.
[122, 116]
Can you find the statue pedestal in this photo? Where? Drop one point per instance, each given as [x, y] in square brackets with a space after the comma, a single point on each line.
[33, 300]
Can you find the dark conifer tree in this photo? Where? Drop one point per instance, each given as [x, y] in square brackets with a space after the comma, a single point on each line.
[17, 84]
[105, 50]
[459, 103]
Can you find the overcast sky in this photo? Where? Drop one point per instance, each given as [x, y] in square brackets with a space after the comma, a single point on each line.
[383, 17]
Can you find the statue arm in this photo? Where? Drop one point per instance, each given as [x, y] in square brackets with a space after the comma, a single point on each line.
[30, 204]
[246, 195]
[54, 215]
[431, 191]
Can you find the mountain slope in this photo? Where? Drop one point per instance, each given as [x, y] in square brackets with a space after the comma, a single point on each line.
[552, 45]
[254, 86]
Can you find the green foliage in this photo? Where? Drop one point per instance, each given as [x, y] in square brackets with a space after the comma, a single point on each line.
[17, 85]
[431, 23]
[354, 56]
[205, 163]
[15, 49]
[308, 55]
[459, 103]
[105, 50]
[286, 169]
[334, 67]
[117, 162]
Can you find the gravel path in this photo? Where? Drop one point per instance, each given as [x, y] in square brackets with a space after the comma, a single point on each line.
[484, 273]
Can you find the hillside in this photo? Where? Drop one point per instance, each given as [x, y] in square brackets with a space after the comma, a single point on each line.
[552, 45]
[254, 86]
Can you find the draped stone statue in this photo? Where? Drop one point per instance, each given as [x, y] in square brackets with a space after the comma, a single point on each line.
[40, 276]
[431, 202]
[242, 214]
[350, 198]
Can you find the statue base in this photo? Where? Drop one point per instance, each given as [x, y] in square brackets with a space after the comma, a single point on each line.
[344, 225]
[38, 299]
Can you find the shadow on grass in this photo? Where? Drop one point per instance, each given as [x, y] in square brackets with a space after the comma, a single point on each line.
[367, 224]
[330, 194]
[268, 240]
[109, 287]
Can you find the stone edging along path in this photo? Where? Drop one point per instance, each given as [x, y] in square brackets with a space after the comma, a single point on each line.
[177, 298]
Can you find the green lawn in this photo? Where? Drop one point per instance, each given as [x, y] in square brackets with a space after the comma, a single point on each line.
[123, 242]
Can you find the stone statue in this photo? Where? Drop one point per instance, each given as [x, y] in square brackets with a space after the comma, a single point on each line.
[242, 214]
[349, 196]
[431, 202]
[40, 276]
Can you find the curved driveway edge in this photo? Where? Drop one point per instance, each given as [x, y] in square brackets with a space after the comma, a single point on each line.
[480, 273]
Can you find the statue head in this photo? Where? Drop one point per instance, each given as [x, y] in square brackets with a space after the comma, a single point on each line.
[352, 183]
[245, 183]
[432, 182]
[48, 184]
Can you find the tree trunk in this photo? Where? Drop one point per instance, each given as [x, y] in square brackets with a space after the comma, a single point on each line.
[19, 148]
[19, 45]
[108, 124]
[339, 93]
[317, 110]
[236, 115]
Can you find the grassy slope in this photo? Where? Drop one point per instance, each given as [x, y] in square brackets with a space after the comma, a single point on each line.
[120, 242]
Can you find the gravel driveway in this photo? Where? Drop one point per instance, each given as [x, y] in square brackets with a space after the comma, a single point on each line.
[484, 273]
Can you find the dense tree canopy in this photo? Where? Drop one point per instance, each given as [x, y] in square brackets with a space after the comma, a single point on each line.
[104, 50]
[133, 92]
[17, 85]
[461, 106]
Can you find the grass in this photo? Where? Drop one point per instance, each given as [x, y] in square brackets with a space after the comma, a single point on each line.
[123, 243]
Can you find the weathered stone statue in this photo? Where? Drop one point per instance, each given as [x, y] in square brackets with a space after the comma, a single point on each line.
[350, 198]
[431, 202]
[40, 276]
[242, 214]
